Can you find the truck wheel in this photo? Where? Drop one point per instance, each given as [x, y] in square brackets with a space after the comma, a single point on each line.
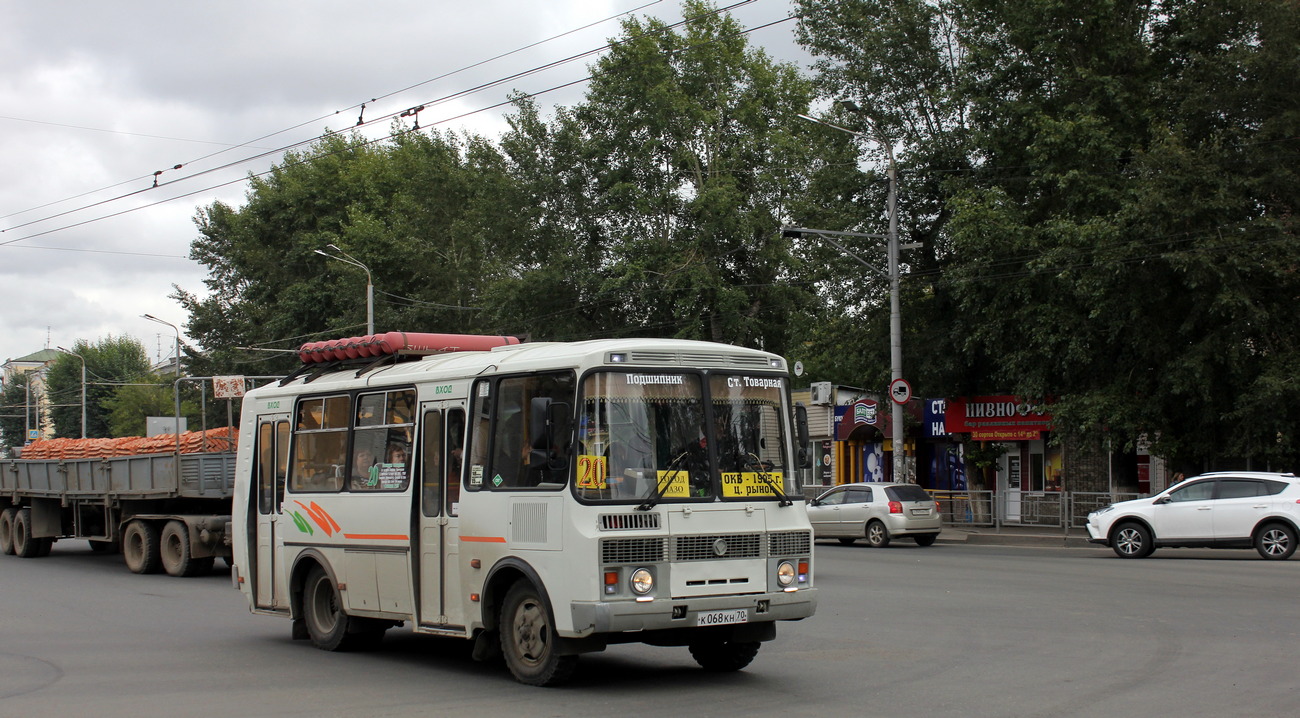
[329, 628]
[25, 546]
[140, 547]
[528, 640]
[7, 530]
[177, 559]
[724, 656]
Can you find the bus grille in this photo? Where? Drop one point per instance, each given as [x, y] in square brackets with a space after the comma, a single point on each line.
[624, 522]
[633, 550]
[714, 546]
[789, 543]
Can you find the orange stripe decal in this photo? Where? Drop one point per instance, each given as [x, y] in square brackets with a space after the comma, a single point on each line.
[377, 537]
[484, 539]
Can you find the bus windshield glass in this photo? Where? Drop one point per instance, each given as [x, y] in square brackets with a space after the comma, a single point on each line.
[672, 437]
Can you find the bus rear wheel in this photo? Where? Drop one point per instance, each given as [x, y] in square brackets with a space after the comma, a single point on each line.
[528, 639]
[724, 656]
[328, 626]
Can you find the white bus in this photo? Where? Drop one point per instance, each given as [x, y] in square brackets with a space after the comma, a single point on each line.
[541, 499]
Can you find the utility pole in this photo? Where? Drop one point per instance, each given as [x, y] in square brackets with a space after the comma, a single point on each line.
[892, 274]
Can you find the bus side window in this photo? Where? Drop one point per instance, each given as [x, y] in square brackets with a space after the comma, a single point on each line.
[320, 444]
[455, 458]
[431, 456]
[500, 450]
[265, 468]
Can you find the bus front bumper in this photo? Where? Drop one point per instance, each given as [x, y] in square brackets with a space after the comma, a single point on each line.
[593, 617]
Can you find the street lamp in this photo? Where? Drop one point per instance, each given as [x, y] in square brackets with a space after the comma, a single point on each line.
[370, 286]
[176, 386]
[83, 387]
[895, 311]
[176, 329]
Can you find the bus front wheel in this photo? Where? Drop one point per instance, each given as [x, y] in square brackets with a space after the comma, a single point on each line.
[724, 656]
[528, 639]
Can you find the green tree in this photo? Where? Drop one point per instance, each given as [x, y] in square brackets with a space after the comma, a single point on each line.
[1107, 200]
[13, 405]
[420, 211]
[109, 362]
[130, 406]
[657, 202]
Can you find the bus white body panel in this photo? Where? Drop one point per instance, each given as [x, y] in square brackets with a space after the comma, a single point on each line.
[646, 491]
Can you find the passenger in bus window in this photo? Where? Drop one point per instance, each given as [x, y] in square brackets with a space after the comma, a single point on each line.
[396, 454]
[364, 471]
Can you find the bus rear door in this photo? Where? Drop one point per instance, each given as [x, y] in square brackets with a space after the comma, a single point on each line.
[272, 467]
[442, 441]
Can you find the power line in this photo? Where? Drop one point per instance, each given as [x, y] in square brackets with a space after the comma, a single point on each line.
[387, 116]
[289, 129]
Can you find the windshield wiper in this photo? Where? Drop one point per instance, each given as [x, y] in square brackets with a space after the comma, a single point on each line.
[662, 485]
[766, 478]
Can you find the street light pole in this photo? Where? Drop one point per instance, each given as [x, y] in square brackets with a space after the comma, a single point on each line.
[176, 386]
[176, 329]
[895, 310]
[83, 387]
[370, 286]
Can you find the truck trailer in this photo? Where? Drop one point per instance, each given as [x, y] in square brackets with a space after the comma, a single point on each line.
[162, 511]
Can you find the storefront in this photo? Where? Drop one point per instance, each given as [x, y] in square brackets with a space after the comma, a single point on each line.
[1028, 466]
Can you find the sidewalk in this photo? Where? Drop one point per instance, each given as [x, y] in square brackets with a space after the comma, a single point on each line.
[1016, 536]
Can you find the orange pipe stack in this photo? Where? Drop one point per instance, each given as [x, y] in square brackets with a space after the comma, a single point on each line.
[191, 442]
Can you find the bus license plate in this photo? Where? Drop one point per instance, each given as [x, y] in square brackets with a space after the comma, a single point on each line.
[722, 618]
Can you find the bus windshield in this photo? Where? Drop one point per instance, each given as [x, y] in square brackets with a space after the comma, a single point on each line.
[673, 437]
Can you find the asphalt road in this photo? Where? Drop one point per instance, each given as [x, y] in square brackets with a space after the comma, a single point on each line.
[949, 630]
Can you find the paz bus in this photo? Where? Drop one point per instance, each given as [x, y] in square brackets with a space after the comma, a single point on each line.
[542, 500]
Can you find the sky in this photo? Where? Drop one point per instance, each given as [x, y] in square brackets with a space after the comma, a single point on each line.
[100, 100]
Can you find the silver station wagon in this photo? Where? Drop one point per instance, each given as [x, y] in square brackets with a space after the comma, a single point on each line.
[877, 511]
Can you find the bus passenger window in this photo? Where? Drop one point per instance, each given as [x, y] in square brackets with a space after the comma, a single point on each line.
[320, 445]
[381, 441]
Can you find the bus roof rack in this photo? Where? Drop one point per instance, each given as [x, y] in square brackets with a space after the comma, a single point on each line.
[401, 344]
[375, 350]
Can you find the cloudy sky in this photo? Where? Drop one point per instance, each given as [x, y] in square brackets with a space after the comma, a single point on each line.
[97, 97]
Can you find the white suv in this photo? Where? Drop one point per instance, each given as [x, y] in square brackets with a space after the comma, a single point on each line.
[1237, 509]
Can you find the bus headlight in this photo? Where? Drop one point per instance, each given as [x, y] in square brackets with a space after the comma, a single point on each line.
[641, 581]
[785, 573]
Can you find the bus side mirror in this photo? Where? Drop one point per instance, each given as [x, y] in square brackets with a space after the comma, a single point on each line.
[801, 431]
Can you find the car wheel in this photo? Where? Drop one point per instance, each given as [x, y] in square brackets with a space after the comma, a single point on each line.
[877, 535]
[1276, 542]
[1132, 540]
[925, 539]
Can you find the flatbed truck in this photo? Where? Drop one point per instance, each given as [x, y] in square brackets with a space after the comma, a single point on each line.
[164, 512]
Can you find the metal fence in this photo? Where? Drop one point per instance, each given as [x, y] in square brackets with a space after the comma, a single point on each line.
[1060, 509]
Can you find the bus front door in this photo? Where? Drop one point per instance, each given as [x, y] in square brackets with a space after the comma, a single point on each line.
[272, 467]
[442, 441]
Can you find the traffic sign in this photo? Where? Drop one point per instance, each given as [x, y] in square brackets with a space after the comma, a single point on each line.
[900, 391]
